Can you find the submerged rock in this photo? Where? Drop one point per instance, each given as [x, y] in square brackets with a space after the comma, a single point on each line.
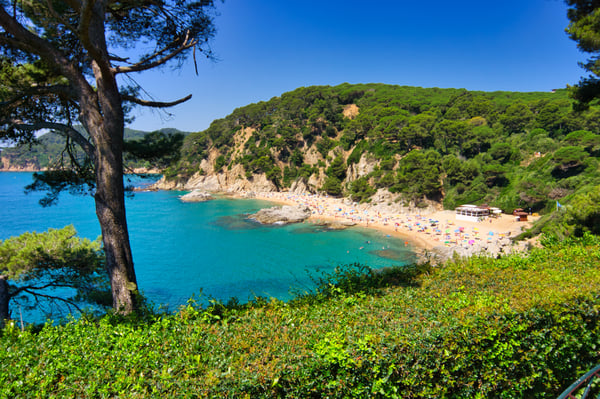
[196, 196]
[282, 215]
[335, 224]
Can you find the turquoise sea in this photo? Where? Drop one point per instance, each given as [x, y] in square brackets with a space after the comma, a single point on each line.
[183, 249]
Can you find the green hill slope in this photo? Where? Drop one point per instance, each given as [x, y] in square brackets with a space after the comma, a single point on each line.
[506, 149]
[47, 151]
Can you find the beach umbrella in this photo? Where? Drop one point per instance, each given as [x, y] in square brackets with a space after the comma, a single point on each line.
[491, 233]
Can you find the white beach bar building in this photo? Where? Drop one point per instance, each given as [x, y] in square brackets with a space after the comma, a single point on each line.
[472, 213]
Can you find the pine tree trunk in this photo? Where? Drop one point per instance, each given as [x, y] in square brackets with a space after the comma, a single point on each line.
[110, 209]
[4, 298]
[106, 128]
[102, 114]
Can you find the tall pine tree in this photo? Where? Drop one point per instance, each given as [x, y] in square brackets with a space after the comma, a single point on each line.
[60, 62]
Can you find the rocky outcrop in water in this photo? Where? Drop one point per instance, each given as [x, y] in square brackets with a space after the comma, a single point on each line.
[334, 224]
[282, 215]
[196, 196]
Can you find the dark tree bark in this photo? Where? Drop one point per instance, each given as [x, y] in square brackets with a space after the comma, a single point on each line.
[105, 122]
[110, 209]
[4, 298]
[106, 130]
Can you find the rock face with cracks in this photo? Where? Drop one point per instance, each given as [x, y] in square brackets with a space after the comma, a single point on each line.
[282, 215]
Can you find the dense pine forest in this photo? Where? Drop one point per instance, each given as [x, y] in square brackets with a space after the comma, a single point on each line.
[505, 149]
[449, 146]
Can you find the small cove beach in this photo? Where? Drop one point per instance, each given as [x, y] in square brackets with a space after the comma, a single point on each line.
[207, 250]
[439, 231]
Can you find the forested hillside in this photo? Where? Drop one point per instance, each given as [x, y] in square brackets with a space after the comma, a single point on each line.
[452, 146]
[50, 148]
[506, 149]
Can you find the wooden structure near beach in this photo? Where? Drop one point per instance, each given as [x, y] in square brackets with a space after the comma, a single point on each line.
[520, 215]
[472, 213]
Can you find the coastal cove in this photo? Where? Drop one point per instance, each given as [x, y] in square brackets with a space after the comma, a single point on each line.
[184, 249]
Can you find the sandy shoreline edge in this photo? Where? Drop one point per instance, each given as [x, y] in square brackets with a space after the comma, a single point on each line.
[435, 233]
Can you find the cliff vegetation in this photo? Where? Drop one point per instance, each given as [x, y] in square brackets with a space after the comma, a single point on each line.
[450, 146]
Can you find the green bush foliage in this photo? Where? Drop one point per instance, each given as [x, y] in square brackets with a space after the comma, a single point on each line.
[55, 272]
[514, 327]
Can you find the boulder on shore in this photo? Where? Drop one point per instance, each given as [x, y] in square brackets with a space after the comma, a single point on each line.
[282, 214]
[196, 196]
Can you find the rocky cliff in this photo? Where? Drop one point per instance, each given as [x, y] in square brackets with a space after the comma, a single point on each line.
[234, 179]
[7, 166]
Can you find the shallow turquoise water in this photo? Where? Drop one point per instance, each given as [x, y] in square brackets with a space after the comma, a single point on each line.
[182, 249]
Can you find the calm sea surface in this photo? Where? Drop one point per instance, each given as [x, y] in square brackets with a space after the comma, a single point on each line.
[183, 249]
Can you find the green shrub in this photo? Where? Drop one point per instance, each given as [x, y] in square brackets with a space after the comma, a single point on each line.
[515, 327]
[360, 189]
[332, 186]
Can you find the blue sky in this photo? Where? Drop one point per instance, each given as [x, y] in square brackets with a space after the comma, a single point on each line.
[268, 47]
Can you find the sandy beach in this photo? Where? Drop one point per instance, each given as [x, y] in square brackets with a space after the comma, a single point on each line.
[439, 232]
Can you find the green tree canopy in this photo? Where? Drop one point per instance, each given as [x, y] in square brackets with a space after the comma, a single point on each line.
[34, 265]
[569, 160]
[583, 214]
[584, 28]
[516, 118]
[62, 63]
[332, 186]
[337, 168]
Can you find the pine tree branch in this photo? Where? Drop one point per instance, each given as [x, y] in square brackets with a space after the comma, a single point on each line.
[19, 37]
[155, 104]
[17, 290]
[38, 295]
[59, 90]
[87, 147]
[58, 16]
[147, 63]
